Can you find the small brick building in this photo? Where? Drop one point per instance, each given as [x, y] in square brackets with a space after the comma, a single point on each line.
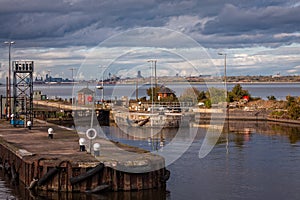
[165, 92]
[85, 96]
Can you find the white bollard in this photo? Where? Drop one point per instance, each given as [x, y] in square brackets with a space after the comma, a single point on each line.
[29, 124]
[82, 144]
[50, 133]
[96, 148]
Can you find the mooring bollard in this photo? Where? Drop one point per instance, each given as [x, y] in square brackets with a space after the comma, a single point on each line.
[29, 124]
[50, 133]
[12, 120]
[81, 144]
[96, 147]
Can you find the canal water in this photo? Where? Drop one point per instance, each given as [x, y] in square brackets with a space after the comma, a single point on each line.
[251, 160]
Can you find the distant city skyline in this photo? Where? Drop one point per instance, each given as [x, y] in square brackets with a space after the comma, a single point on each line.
[259, 37]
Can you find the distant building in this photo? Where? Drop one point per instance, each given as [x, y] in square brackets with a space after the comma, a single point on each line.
[139, 74]
[50, 79]
[37, 95]
[39, 80]
[276, 75]
[85, 96]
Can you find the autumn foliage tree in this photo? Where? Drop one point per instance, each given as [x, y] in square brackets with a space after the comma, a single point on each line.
[237, 93]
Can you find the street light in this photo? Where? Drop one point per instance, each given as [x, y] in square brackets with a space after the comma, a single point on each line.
[225, 76]
[152, 89]
[94, 97]
[226, 93]
[9, 43]
[154, 61]
[102, 84]
[72, 69]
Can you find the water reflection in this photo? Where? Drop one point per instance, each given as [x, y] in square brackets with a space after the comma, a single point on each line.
[239, 133]
[236, 132]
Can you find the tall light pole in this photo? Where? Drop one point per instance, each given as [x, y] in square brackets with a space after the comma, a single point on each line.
[152, 91]
[72, 69]
[154, 61]
[225, 75]
[9, 43]
[155, 73]
[226, 94]
[102, 84]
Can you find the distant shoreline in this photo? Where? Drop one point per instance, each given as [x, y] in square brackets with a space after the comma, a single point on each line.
[171, 83]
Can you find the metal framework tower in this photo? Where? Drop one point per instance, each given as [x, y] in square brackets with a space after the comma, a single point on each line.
[23, 89]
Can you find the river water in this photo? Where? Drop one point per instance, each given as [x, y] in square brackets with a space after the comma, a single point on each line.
[251, 160]
[279, 90]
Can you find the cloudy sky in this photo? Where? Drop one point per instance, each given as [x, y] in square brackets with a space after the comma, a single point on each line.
[260, 37]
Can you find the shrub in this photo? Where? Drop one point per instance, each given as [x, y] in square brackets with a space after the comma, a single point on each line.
[237, 93]
[271, 98]
[294, 111]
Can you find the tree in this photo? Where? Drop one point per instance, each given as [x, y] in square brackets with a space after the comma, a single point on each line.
[190, 95]
[237, 93]
[202, 96]
[271, 98]
[215, 95]
[290, 100]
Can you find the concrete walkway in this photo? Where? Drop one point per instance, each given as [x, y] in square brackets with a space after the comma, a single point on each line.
[65, 146]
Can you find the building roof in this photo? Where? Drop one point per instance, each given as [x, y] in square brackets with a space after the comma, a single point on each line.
[165, 90]
[86, 91]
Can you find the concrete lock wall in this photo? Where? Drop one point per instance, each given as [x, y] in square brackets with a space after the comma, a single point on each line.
[55, 175]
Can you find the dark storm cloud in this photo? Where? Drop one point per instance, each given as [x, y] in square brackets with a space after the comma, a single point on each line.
[235, 21]
[87, 22]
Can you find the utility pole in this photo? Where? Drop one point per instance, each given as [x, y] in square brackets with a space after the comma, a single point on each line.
[153, 62]
[72, 69]
[226, 95]
[155, 73]
[9, 43]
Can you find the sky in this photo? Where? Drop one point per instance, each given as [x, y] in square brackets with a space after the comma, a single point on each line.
[259, 37]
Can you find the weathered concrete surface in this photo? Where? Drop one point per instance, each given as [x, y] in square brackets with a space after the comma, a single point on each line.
[33, 154]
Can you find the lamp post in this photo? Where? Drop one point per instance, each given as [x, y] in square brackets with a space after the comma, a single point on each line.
[152, 91]
[9, 43]
[92, 120]
[225, 76]
[72, 69]
[226, 94]
[154, 61]
[102, 84]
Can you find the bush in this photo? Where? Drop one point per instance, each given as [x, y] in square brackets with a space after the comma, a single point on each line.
[207, 103]
[294, 111]
[216, 95]
[237, 93]
[272, 98]
[277, 113]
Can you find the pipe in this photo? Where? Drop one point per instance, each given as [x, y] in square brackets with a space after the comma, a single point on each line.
[91, 172]
[48, 176]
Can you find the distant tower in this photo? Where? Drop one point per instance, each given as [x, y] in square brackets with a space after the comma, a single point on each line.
[139, 74]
